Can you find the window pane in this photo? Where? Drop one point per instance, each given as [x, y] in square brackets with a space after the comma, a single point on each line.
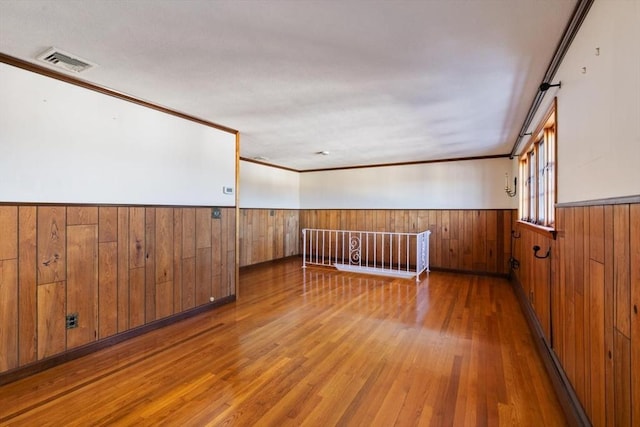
[531, 180]
[550, 175]
[542, 207]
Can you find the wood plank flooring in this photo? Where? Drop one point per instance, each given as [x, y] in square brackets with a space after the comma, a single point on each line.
[316, 348]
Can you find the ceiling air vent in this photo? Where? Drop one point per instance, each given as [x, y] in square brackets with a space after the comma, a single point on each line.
[65, 60]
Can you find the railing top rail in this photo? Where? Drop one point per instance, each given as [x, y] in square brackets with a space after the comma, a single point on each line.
[368, 232]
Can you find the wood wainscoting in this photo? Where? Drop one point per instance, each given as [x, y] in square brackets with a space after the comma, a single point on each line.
[268, 234]
[116, 268]
[586, 298]
[462, 240]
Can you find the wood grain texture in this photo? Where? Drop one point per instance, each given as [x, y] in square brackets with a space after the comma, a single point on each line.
[51, 319]
[108, 224]
[137, 300]
[82, 283]
[82, 215]
[216, 254]
[188, 283]
[609, 314]
[8, 314]
[634, 252]
[594, 287]
[622, 379]
[452, 350]
[122, 267]
[107, 289]
[51, 244]
[150, 268]
[203, 276]
[466, 240]
[137, 241]
[203, 228]
[164, 245]
[621, 265]
[8, 232]
[177, 259]
[268, 234]
[27, 272]
[597, 352]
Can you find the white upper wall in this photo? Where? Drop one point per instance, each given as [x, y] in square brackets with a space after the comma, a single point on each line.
[470, 184]
[599, 106]
[62, 143]
[268, 187]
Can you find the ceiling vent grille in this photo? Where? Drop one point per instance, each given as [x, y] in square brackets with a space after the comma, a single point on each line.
[65, 60]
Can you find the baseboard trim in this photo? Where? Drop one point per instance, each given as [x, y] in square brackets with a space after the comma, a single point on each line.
[270, 261]
[573, 410]
[50, 362]
[472, 272]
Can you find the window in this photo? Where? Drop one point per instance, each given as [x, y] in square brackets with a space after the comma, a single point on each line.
[537, 174]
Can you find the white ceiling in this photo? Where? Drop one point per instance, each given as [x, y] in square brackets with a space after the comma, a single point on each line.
[371, 82]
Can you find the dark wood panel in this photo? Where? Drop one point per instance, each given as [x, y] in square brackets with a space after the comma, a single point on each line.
[8, 232]
[164, 245]
[228, 216]
[123, 269]
[28, 314]
[634, 252]
[137, 298]
[232, 258]
[116, 267]
[203, 228]
[268, 234]
[609, 314]
[150, 265]
[188, 233]
[594, 277]
[622, 378]
[137, 241]
[164, 299]
[82, 215]
[586, 312]
[82, 283]
[177, 259]
[51, 244]
[578, 250]
[203, 276]
[472, 240]
[216, 254]
[570, 293]
[621, 265]
[598, 356]
[8, 314]
[188, 283]
[107, 224]
[52, 334]
[596, 233]
[107, 289]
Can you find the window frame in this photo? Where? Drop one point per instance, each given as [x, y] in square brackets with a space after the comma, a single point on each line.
[538, 174]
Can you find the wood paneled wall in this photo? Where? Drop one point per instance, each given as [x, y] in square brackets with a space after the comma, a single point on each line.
[465, 240]
[268, 234]
[587, 297]
[116, 267]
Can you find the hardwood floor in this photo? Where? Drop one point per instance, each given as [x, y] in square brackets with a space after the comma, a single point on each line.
[315, 348]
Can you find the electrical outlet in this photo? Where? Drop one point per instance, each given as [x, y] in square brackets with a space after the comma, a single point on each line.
[71, 321]
[216, 213]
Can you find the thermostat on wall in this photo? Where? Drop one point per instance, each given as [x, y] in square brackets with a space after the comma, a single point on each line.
[227, 190]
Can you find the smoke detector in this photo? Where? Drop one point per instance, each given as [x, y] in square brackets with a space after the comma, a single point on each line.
[65, 60]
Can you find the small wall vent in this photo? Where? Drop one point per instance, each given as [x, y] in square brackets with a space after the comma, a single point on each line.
[65, 60]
